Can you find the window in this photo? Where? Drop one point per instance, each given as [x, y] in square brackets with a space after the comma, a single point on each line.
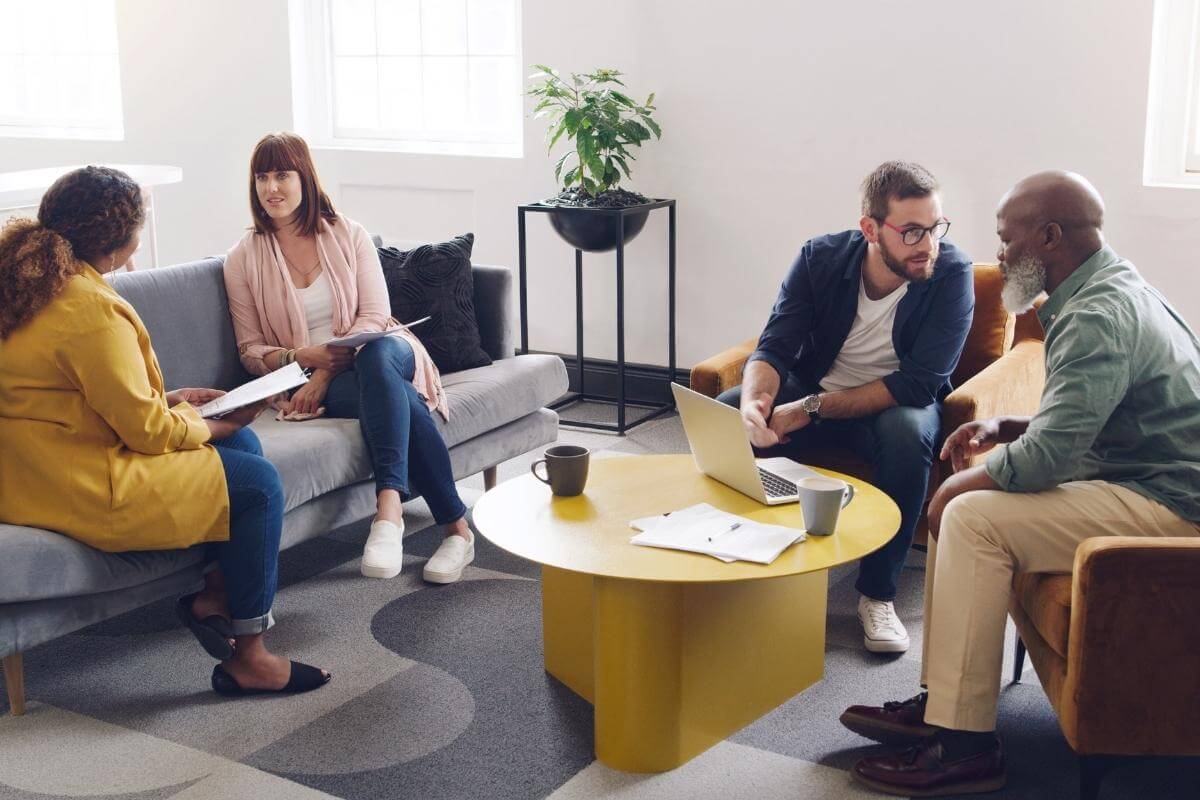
[1173, 101]
[59, 74]
[426, 76]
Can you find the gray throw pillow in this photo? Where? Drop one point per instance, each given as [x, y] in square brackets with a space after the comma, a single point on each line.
[435, 280]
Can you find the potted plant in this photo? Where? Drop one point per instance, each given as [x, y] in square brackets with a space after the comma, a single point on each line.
[604, 125]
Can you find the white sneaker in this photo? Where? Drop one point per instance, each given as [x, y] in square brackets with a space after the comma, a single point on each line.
[452, 556]
[383, 554]
[883, 632]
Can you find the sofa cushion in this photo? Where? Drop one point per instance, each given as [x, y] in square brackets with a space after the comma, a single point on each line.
[1046, 600]
[485, 398]
[315, 456]
[435, 280]
[39, 565]
[186, 312]
[991, 331]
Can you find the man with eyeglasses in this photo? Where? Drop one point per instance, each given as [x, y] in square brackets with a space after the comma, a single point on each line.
[858, 350]
[1113, 450]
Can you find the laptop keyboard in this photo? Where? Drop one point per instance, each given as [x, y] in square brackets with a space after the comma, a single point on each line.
[776, 486]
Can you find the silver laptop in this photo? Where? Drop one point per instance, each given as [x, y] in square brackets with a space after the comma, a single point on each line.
[722, 451]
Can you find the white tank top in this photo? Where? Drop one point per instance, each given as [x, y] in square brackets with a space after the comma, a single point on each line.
[317, 300]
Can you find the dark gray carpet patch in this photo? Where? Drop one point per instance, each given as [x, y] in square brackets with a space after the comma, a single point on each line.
[529, 734]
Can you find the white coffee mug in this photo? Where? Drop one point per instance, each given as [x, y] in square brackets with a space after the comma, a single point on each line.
[821, 502]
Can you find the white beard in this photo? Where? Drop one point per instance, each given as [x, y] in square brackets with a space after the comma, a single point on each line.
[1024, 281]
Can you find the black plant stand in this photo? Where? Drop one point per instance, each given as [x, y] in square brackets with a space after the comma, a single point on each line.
[620, 401]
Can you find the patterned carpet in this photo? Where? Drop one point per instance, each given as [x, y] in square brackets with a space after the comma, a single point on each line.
[439, 692]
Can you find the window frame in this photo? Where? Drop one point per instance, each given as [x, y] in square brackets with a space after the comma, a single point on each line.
[311, 38]
[1172, 148]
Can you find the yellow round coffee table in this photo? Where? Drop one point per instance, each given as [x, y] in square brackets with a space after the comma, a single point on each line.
[676, 651]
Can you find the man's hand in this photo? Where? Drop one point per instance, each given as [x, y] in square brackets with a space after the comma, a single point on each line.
[195, 397]
[307, 399]
[754, 417]
[234, 421]
[323, 356]
[788, 418]
[971, 439]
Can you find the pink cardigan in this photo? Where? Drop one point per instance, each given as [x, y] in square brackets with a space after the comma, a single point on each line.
[268, 315]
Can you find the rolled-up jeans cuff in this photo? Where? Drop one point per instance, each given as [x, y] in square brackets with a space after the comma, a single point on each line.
[251, 627]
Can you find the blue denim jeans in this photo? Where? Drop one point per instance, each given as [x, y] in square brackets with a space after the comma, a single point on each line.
[407, 451]
[250, 559]
[899, 443]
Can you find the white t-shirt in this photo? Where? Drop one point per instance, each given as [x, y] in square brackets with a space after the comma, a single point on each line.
[317, 300]
[868, 353]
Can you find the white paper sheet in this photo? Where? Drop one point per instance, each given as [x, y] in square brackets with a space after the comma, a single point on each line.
[704, 529]
[359, 339]
[268, 385]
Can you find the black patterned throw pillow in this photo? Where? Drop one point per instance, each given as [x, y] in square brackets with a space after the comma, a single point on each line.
[435, 280]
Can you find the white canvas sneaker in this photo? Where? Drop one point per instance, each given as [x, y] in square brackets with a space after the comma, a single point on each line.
[883, 632]
[452, 556]
[383, 554]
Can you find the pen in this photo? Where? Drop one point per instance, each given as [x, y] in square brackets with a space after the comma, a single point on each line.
[730, 529]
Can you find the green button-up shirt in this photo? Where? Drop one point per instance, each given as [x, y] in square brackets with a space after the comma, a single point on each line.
[1122, 396]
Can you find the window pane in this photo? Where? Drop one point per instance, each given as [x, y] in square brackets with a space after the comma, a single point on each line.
[355, 83]
[400, 94]
[38, 28]
[398, 27]
[492, 27]
[10, 32]
[102, 27]
[11, 92]
[353, 27]
[41, 86]
[446, 96]
[70, 27]
[495, 96]
[444, 27]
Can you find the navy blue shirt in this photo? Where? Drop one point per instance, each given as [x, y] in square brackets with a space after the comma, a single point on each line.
[818, 302]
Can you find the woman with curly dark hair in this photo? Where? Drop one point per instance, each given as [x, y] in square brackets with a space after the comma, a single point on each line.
[96, 449]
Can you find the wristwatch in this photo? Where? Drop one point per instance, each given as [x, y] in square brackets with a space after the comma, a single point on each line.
[812, 406]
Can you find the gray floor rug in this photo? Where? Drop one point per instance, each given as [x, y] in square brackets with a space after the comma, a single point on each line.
[439, 692]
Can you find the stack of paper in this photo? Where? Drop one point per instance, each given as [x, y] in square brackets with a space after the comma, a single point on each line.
[704, 529]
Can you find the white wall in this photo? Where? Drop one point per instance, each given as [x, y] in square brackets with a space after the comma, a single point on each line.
[772, 113]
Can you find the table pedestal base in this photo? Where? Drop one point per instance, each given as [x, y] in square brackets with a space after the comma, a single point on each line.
[674, 668]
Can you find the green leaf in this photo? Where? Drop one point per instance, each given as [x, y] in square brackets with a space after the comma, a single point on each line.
[653, 126]
[650, 101]
[558, 132]
[623, 100]
[590, 187]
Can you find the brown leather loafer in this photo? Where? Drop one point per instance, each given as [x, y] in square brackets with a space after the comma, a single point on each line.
[925, 771]
[898, 723]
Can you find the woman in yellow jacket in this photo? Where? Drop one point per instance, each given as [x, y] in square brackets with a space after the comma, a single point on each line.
[95, 449]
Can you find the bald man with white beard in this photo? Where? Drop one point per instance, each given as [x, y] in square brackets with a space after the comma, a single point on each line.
[1113, 450]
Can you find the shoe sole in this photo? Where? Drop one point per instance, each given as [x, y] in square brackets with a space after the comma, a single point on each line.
[883, 733]
[969, 787]
[447, 577]
[380, 572]
[885, 646]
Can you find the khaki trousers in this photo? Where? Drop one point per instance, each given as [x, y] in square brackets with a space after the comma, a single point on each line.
[986, 537]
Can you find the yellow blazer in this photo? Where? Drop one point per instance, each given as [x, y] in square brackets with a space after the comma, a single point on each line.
[88, 445]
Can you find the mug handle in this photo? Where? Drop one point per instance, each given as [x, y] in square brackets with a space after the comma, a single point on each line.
[533, 468]
[849, 495]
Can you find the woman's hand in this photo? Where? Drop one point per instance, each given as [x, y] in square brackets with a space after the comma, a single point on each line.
[234, 421]
[308, 397]
[195, 397]
[323, 356]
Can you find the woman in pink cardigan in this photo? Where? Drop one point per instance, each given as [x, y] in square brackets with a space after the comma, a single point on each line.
[304, 275]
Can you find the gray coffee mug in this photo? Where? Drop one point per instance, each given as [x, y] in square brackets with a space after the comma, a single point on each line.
[566, 469]
[821, 501]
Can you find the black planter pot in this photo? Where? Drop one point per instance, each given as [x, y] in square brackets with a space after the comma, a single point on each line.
[594, 230]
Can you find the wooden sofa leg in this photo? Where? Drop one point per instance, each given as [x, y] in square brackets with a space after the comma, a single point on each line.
[14, 680]
[489, 478]
[1018, 661]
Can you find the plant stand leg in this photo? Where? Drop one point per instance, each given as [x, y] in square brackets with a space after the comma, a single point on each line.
[14, 680]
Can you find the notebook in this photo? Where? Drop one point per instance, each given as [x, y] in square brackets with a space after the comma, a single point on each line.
[704, 529]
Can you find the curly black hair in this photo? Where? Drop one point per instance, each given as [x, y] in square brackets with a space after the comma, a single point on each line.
[87, 213]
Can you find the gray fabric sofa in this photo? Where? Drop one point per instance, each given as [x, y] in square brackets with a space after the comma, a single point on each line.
[51, 585]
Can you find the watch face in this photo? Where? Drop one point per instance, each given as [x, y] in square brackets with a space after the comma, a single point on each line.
[811, 403]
